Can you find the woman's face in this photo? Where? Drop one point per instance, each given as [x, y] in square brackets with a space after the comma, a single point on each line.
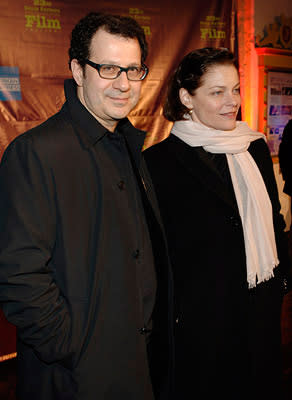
[216, 102]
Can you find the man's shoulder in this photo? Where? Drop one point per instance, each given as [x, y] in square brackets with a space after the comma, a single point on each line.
[53, 130]
[53, 136]
[287, 132]
[289, 125]
[54, 127]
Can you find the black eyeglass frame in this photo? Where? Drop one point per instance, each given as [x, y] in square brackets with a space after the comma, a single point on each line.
[122, 69]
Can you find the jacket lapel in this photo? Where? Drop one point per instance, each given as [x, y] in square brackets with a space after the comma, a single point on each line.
[200, 166]
[135, 140]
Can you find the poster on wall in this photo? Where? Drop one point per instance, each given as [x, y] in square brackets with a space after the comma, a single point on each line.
[279, 107]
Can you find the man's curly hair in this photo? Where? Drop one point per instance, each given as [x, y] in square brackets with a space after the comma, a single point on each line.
[85, 29]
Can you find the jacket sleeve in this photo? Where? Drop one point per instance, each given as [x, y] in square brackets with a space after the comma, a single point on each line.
[261, 154]
[29, 296]
[285, 151]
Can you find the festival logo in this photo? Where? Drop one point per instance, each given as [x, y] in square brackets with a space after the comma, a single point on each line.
[42, 16]
[213, 28]
[142, 19]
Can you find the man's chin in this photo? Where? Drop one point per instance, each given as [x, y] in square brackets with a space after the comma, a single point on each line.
[120, 114]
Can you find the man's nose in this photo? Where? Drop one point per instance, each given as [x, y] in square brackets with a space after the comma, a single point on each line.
[122, 82]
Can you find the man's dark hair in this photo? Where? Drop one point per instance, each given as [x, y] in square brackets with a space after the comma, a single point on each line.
[189, 75]
[85, 29]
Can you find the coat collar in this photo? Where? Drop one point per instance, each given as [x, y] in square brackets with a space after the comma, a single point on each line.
[134, 138]
[200, 166]
[90, 131]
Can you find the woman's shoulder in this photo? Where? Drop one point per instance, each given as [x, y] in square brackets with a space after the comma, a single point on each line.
[259, 147]
[157, 148]
[160, 156]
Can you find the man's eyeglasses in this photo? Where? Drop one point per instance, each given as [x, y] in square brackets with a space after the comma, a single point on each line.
[108, 71]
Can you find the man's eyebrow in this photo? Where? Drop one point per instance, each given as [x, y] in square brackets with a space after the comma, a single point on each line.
[109, 62]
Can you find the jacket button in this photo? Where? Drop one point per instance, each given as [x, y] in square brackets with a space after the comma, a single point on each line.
[136, 253]
[144, 330]
[121, 185]
[234, 221]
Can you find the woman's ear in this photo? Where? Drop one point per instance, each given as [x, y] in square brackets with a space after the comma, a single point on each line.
[185, 98]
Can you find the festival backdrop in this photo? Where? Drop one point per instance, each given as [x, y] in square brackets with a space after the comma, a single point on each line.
[35, 37]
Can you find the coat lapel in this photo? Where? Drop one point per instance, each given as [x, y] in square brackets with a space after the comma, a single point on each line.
[200, 166]
[135, 140]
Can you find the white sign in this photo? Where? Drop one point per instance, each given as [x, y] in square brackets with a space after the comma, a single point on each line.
[279, 107]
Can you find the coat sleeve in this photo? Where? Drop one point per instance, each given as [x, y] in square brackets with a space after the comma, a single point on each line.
[29, 295]
[285, 154]
[261, 154]
[285, 151]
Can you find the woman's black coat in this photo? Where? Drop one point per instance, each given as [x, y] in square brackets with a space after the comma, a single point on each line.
[218, 335]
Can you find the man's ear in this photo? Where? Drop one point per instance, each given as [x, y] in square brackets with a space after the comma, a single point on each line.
[185, 98]
[77, 72]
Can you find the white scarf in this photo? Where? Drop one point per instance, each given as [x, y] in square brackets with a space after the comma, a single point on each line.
[253, 201]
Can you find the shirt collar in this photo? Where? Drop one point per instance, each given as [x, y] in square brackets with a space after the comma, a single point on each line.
[90, 130]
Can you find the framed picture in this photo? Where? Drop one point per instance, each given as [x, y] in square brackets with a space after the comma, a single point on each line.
[279, 107]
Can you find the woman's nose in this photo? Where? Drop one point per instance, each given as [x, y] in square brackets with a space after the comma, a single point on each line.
[233, 99]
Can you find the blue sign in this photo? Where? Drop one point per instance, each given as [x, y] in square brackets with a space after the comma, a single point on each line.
[9, 84]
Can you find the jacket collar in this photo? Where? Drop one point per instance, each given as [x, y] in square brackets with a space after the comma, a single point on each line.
[90, 131]
[87, 127]
[134, 138]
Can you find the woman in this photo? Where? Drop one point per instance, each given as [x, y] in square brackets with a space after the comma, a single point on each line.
[218, 197]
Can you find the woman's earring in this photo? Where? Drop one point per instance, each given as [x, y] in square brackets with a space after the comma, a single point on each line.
[190, 111]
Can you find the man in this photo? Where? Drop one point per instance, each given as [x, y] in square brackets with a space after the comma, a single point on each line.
[84, 272]
[285, 155]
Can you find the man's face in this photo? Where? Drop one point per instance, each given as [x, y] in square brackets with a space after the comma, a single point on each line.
[109, 100]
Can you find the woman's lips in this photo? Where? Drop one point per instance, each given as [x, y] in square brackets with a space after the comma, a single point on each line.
[229, 115]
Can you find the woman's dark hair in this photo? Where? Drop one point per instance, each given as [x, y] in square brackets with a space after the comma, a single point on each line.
[85, 29]
[189, 75]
